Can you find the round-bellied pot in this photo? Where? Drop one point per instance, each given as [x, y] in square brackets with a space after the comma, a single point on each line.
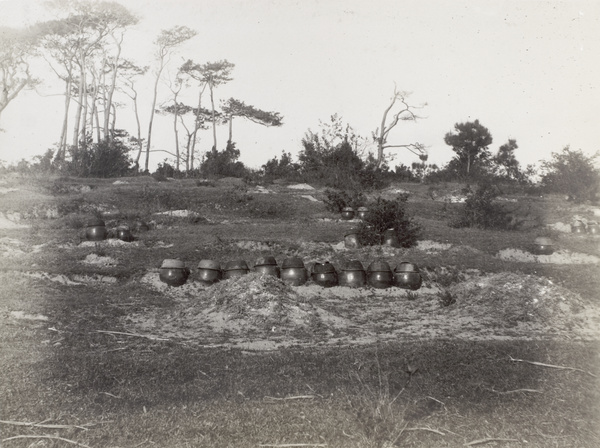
[379, 275]
[293, 271]
[593, 228]
[407, 276]
[173, 272]
[353, 275]
[542, 246]
[347, 213]
[361, 212]
[267, 266]
[124, 234]
[95, 230]
[235, 268]
[390, 238]
[578, 227]
[324, 274]
[351, 238]
[209, 272]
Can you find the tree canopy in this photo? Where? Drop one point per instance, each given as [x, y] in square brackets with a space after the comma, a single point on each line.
[470, 142]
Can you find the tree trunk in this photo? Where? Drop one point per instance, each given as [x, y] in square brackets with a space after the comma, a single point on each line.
[196, 127]
[77, 124]
[112, 88]
[214, 124]
[139, 131]
[175, 116]
[149, 141]
[62, 144]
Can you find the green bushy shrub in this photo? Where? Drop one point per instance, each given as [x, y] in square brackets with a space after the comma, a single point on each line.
[336, 200]
[387, 214]
[573, 174]
[482, 212]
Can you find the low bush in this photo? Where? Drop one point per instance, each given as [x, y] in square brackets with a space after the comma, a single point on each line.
[336, 200]
[387, 214]
[482, 212]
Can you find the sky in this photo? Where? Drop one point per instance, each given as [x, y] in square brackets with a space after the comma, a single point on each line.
[527, 70]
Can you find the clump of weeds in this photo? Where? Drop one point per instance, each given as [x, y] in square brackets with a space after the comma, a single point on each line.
[446, 298]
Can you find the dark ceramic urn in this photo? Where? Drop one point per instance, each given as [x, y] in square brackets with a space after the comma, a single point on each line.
[267, 266]
[578, 227]
[593, 228]
[347, 213]
[324, 274]
[293, 271]
[353, 275]
[173, 272]
[124, 234]
[95, 230]
[390, 238]
[542, 246]
[407, 276]
[351, 238]
[379, 275]
[361, 212]
[235, 268]
[209, 272]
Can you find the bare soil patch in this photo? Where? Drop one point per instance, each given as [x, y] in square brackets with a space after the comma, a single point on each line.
[261, 312]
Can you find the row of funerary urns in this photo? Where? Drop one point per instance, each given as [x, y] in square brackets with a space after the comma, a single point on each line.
[96, 230]
[379, 274]
[349, 213]
[579, 227]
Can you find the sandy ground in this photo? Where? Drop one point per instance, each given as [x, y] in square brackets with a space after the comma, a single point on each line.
[262, 313]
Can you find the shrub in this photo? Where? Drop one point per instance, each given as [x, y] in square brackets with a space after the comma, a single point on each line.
[223, 163]
[572, 173]
[445, 298]
[336, 200]
[482, 212]
[103, 159]
[387, 214]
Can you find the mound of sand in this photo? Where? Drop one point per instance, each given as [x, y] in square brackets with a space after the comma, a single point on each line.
[253, 307]
[558, 257]
[514, 298]
[99, 260]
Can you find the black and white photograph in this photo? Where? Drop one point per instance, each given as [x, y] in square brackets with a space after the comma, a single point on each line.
[285, 223]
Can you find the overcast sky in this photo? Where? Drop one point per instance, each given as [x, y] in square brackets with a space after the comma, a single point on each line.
[528, 70]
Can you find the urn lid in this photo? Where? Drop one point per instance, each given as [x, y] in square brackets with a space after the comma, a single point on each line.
[173, 264]
[353, 265]
[406, 266]
[347, 209]
[94, 222]
[323, 268]
[362, 209]
[235, 265]
[293, 262]
[543, 241]
[209, 264]
[265, 261]
[379, 266]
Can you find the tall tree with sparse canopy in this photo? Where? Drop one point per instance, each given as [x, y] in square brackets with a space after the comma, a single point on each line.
[166, 42]
[403, 112]
[16, 48]
[236, 108]
[72, 45]
[470, 142]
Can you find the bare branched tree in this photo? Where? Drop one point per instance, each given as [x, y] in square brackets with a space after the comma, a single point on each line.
[406, 112]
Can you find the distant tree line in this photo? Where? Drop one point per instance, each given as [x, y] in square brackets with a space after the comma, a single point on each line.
[83, 49]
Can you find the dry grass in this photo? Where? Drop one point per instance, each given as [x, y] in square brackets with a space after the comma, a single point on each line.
[123, 390]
